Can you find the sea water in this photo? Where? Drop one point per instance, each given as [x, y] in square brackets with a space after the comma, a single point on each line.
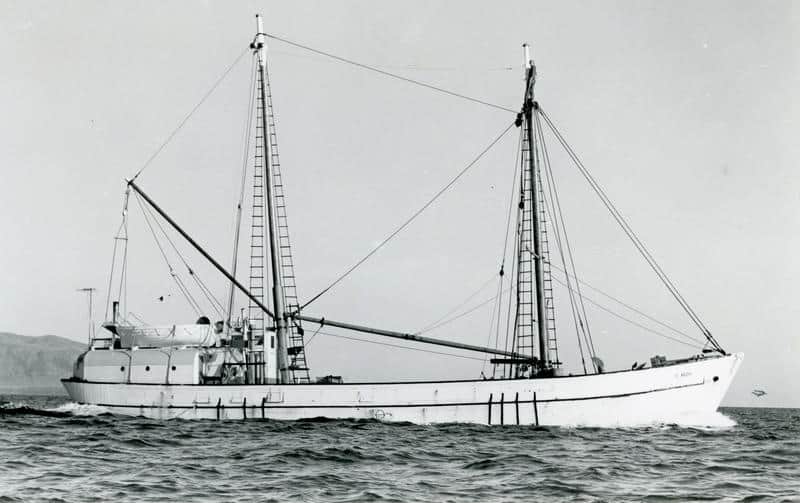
[51, 449]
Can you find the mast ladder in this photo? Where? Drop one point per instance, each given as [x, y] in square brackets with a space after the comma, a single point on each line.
[525, 318]
[295, 348]
[255, 315]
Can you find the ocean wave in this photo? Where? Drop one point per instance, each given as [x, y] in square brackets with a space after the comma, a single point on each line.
[65, 451]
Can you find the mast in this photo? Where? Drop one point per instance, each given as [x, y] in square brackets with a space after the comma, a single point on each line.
[527, 110]
[277, 286]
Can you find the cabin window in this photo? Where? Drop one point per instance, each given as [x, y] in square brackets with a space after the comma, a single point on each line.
[272, 342]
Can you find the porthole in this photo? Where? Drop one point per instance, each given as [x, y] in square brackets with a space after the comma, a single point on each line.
[716, 378]
[174, 368]
[122, 369]
[147, 368]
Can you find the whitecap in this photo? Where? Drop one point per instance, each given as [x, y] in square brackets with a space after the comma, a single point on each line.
[77, 409]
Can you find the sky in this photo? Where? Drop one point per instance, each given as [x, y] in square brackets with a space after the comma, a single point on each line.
[686, 112]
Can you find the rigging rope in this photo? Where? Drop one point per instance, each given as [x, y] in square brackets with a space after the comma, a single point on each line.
[514, 274]
[633, 237]
[189, 115]
[579, 316]
[389, 74]
[471, 69]
[496, 315]
[123, 226]
[470, 310]
[517, 162]
[307, 342]
[517, 154]
[399, 346]
[409, 220]
[632, 308]
[111, 275]
[123, 277]
[215, 303]
[181, 286]
[696, 345]
[243, 183]
[138, 318]
[508, 317]
[430, 326]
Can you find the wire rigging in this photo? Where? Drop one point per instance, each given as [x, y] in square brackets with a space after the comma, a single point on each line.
[389, 74]
[694, 344]
[123, 278]
[461, 304]
[630, 307]
[121, 235]
[517, 162]
[578, 309]
[494, 321]
[398, 346]
[178, 281]
[622, 222]
[243, 183]
[501, 274]
[308, 341]
[215, 303]
[472, 69]
[461, 315]
[409, 220]
[189, 115]
[508, 314]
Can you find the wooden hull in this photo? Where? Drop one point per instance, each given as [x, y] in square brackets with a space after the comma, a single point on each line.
[686, 393]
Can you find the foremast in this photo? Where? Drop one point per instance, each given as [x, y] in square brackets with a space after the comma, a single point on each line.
[278, 369]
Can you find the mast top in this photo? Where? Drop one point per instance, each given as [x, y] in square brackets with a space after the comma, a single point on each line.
[530, 71]
[527, 49]
[259, 44]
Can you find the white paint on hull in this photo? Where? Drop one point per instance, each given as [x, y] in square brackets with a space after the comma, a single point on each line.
[686, 393]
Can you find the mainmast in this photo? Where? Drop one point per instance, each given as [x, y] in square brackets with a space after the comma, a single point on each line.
[277, 286]
[527, 112]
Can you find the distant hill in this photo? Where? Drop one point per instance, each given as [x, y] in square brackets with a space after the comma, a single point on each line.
[35, 364]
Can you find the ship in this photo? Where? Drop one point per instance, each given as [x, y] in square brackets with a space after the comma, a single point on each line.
[254, 365]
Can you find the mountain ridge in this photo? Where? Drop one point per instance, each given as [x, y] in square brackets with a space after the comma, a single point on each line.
[36, 363]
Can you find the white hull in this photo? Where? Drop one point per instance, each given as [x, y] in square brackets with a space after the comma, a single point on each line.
[679, 394]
